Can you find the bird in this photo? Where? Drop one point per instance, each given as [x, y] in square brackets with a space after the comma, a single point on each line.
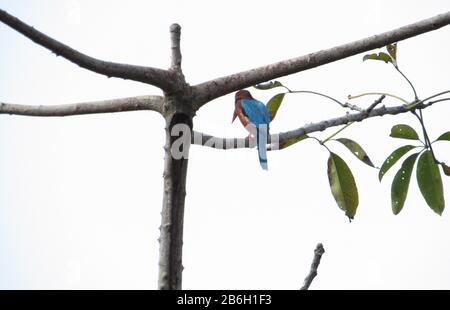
[254, 116]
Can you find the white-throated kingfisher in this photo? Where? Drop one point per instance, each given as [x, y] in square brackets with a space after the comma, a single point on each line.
[254, 116]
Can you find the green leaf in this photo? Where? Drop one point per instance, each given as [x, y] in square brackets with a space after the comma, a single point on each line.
[400, 184]
[357, 150]
[393, 158]
[392, 50]
[403, 131]
[444, 137]
[292, 141]
[445, 169]
[380, 56]
[268, 85]
[342, 185]
[430, 182]
[273, 105]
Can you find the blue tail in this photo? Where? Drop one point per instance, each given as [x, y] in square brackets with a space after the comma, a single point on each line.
[261, 140]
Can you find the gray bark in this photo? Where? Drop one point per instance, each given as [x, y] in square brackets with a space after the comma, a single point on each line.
[172, 82]
[210, 90]
[234, 143]
[151, 103]
[318, 252]
[164, 79]
[176, 112]
[172, 215]
[175, 37]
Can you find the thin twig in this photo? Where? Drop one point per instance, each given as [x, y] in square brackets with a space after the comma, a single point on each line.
[318, 252]
[374, 104]
[353, 107]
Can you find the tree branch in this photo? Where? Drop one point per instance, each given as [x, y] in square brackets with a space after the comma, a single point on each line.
[152, 103]
[175, 34]
[280, 138]
[210, 90]
[374, 104]
[164, 79]
[318, 252]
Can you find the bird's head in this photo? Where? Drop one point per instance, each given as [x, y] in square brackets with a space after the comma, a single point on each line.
[240, 94]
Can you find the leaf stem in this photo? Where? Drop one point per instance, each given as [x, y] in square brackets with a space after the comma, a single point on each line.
[436, 95]
[334, 134]
[425, 135]
[379, 94]
[320, 142]
[410, 84]
[317, 93]
[287, 89]
[436, 101]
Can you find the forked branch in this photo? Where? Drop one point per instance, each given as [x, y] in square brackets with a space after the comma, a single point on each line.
[164, 79]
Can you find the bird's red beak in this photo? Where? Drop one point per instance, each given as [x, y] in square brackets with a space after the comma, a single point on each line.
[234, 116]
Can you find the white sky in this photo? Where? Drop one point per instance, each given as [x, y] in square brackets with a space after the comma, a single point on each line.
[80, 197]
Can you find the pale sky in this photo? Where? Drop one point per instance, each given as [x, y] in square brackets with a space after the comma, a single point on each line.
[80, 197]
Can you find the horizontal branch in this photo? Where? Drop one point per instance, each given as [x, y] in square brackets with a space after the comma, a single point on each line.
[210, 90]
[281, 138]
[152, 103]
[164, 79]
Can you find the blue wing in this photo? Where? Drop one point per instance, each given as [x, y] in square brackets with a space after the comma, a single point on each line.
[259, 116]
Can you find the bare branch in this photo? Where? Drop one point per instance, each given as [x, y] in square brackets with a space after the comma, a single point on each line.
[164, 79]
[175, 34]
[374, 104]
[152, 103]
[352, 107]
[210, 90]
[204, 139]
[234, 143]
[318, 252]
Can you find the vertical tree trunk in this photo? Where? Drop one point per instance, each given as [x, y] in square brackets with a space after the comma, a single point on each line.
[175, 170]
